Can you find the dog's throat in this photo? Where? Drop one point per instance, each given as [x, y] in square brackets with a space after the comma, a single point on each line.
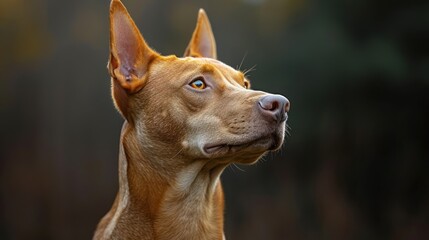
[186, 205]
[196, 197]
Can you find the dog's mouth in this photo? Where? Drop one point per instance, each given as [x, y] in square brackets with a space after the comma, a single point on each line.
[258, 145]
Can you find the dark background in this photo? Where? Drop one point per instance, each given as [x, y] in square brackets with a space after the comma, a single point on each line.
[356, 72]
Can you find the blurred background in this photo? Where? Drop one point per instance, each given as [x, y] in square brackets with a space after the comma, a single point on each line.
[356, 164]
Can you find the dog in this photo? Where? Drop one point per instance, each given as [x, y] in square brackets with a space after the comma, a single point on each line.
[186, 120]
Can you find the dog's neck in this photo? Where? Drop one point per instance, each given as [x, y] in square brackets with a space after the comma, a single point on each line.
[186, 203]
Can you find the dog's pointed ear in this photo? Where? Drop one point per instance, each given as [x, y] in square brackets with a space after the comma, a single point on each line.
[130, 56]
[203, 43]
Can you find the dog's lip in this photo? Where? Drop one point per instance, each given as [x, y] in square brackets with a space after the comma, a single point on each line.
[216, 147]
[211, 148]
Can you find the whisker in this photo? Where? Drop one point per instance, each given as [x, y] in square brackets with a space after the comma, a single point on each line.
[288, 130]
[230, 168]
[246, 72]
[237, 167]
[262, 160]
[242, 61]
[177, 153]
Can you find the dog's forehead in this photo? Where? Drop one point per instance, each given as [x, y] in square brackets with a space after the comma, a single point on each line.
[216, 63]
[214, 66]
[189, 67]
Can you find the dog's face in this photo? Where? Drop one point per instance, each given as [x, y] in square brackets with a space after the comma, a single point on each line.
[195, 106]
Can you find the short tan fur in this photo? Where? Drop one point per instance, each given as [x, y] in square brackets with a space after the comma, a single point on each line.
[186, 120]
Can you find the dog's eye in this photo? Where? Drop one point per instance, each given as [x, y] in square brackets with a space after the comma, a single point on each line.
[198, 84]
[246, 84]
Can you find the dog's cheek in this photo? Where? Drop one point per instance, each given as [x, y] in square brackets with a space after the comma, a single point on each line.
[155, 126]
[165, 129]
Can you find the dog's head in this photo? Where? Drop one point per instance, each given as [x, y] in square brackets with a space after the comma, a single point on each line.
[195, 106]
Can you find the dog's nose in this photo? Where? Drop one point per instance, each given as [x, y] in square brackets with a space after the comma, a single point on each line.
[274, 106]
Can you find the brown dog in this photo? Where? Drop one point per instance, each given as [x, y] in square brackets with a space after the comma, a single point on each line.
[186, 120]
